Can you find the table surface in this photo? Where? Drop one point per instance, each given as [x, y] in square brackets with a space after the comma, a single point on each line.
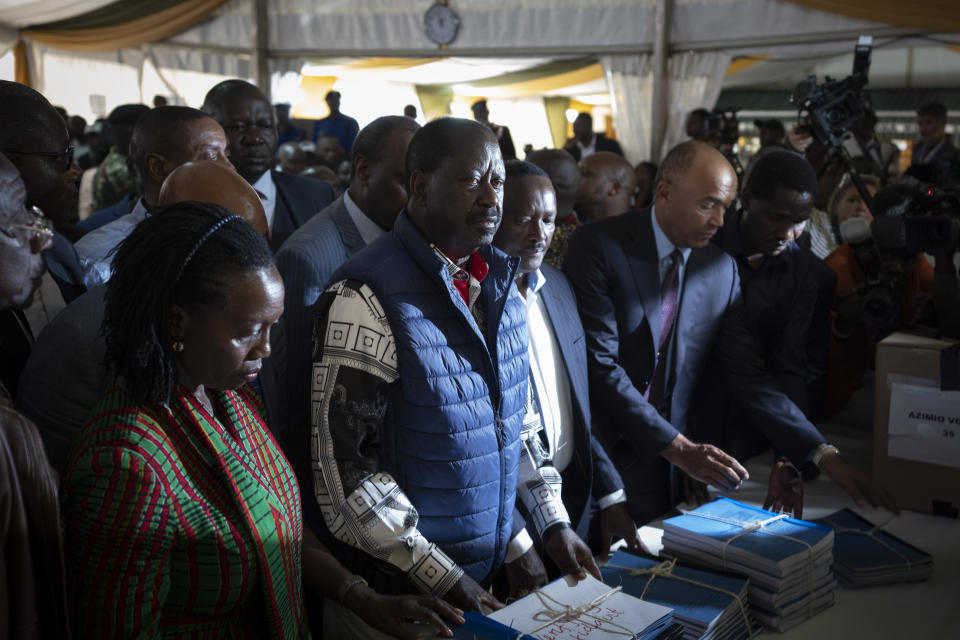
[928, 609]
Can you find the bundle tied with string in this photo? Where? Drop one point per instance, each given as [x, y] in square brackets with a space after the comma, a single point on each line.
[787, 560]
[556, 612]
[760, 526]
[666, 570]
[866, 555]
[568, 609]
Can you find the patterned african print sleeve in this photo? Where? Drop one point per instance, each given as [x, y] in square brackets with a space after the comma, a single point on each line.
[119, 539]
[539, 485]
[361, 505]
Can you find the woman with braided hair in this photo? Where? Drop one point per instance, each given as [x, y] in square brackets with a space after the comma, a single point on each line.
[182, 515]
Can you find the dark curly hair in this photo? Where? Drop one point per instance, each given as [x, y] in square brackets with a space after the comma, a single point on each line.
[171, 258]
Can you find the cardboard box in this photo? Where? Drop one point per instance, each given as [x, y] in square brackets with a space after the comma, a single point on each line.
[916, 451]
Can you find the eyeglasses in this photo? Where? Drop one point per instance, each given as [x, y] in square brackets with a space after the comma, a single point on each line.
[65, 156]
[39, 227]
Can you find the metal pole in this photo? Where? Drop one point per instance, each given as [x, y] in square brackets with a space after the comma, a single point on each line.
[661, 49]
[261, 45]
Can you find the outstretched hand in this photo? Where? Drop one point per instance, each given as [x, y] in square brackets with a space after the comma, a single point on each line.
[861, 488]
[706, 463]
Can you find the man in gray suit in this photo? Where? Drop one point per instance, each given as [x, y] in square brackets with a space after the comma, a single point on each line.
[366, 210]
[657, 299]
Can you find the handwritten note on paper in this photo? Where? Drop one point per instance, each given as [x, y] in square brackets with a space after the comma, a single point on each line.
[597, 612]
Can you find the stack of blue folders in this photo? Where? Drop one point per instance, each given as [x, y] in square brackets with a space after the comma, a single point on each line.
[866, 556]
[787, 560]
[709, 605]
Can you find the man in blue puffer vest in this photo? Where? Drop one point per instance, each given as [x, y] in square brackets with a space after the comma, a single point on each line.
[420, 386]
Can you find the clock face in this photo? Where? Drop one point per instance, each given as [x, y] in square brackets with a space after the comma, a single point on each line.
[441, 24]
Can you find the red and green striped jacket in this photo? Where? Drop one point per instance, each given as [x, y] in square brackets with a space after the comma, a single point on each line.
[178, 526]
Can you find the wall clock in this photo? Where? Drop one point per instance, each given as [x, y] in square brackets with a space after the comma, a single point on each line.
[441, 23]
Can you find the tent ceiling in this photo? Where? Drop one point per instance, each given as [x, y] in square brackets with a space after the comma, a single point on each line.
[23, 13]
[890, 68]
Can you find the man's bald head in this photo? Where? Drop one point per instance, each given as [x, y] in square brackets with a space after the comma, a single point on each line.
[29, 123]
[166, 137]
[607, 183]
[695, 187]
[218, 183]
[564, 174]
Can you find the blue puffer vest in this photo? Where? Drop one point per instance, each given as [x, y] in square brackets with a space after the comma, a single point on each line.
[451, 433]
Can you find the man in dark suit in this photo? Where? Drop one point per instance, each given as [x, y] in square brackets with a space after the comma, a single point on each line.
[557, 435]
[366, 210]
[657, 299]
[585, 142]
[250, 122]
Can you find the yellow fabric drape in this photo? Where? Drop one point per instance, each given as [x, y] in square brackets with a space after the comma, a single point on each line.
[556, 108]
[935, 15]
[434, 100]
[158, 26]
[21, 65]
[313, 106]
[739, 64]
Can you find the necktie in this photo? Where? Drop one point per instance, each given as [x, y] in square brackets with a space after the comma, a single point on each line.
[668, 313]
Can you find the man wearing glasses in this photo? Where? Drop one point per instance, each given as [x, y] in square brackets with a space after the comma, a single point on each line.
[35, 139]
[30, 538]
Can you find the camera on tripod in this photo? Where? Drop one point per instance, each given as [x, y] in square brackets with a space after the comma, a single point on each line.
[828, 110]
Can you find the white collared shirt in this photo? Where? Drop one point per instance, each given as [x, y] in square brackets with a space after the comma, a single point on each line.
[93, 249]
[267, 189]
[553, 388]
[369, 230]
[588, 150]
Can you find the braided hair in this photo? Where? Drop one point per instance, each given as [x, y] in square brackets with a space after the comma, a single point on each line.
[180, 256]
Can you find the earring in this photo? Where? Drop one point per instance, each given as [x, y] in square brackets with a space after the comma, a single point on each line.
[177, 346]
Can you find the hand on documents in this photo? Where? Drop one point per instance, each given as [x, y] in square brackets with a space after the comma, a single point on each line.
[571, 554]
[616, 523]
[706, 463]
[862, 489]
[470, 596]
[785, 491]
[525, 574]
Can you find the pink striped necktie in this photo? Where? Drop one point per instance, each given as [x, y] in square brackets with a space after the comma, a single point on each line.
[668, 312]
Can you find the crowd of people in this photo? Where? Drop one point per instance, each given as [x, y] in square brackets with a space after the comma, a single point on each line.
[361, 382]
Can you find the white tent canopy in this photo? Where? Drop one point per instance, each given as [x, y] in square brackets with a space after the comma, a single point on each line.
[702, 38]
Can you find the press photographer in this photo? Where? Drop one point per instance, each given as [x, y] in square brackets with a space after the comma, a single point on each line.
[885, 283]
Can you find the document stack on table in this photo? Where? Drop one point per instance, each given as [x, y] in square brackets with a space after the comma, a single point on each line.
[787, 560]
[569, 610]
[866, 556]
[709, 605]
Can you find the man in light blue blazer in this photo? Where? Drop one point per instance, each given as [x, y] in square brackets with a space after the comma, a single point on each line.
[366, 210]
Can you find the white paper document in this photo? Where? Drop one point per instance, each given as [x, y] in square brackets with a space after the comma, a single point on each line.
[924, 425]
[604, 616]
